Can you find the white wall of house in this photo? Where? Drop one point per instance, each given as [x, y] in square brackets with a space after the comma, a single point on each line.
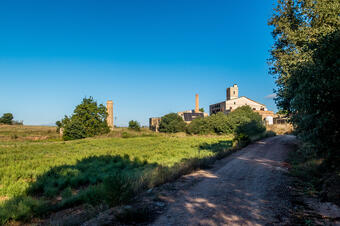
[231, 105]
[269, 120]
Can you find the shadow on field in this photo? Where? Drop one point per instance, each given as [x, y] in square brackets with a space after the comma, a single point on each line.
[98, 181]
[216, 147]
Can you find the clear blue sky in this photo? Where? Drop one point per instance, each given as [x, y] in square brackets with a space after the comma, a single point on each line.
[149, 57]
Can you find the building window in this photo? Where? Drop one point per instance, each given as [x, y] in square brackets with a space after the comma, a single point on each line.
[231, 108]
[234, 92]
[234, 102]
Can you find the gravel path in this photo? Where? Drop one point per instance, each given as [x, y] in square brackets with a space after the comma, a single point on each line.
[250, 189]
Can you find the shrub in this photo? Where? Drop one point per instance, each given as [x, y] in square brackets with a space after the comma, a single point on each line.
[74, 129]
[118, 188]
[199, 126]
[88, 119]
[134, 125]
[172, 123]
[220, 123]
[6, 118]
[241, 121]
[246, 123]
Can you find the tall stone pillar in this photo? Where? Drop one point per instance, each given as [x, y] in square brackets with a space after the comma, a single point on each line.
[197, 105]
[109, 119]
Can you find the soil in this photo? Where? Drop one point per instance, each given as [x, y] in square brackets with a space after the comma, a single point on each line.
[251, 188]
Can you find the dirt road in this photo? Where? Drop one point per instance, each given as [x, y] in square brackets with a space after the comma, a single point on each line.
[251, 188]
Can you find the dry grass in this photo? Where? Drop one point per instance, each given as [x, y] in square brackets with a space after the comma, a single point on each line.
[280, 129]
[27, 133]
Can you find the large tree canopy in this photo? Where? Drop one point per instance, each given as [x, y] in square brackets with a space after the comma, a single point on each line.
[7, 118]
[88, 119]
[305, 62]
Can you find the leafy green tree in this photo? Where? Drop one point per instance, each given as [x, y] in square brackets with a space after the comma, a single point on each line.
[172, 123]
[244, 115]
[134, 125]
[246, 123]
[241, 121]
[87, 120]
[199, 126]
[305, 63]
[74, 129]
[201, 109]
[7, 118]
[220, 123]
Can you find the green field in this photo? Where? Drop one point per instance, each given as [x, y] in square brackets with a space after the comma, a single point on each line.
[50, 172]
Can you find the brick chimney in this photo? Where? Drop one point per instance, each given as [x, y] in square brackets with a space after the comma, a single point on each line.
[197, 106]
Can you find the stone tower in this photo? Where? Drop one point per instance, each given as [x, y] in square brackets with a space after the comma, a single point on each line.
[109, 119]
[197, 108]
[232, 92]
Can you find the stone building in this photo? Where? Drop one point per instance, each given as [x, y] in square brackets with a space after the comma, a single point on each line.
[232, 102]
[154, 123]
[187, 116]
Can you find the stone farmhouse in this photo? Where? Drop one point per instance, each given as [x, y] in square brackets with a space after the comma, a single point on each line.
[233, 101]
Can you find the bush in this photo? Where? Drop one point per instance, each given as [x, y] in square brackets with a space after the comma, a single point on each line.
[74, 129]
[118, 188]
[134, 125]
[220, 123]
[172, 123]
[6, 118]
[246, 123]
[88, 119]
[199, 126]
[243, 122]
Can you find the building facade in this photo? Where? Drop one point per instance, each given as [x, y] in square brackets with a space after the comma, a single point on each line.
[187, 116]
[233, 102]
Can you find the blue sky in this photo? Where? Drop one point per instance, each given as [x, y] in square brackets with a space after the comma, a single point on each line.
[149, 57]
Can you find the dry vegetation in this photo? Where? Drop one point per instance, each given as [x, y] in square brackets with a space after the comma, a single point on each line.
[27, 133]
[280, 129]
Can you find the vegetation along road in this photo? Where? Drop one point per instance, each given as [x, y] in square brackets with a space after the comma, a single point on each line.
[249, 189]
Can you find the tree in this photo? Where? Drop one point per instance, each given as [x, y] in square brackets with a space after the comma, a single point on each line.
[87, 120]
[199, 126]
[134, 125]
[172, 123]
[305, 63]
[6, 118]
[201, 109]
[220, 123]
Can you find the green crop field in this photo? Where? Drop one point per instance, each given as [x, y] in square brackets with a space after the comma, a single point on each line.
[41, 175]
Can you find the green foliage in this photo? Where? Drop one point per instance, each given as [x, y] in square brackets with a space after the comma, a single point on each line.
[201, 109]
[282, 112]
[20, 208]
[88, 120]
[220, 123]
[199, 126]
[118, 188]
[134, 125]
[7, 118]
[172, 123]
[74, 129]
[305, 62]
[243, 122]
[98, 170]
